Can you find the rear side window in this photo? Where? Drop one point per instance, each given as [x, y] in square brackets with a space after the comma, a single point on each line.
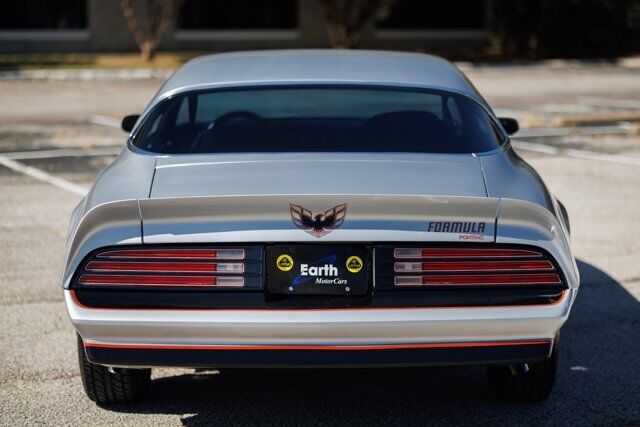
[317, 119]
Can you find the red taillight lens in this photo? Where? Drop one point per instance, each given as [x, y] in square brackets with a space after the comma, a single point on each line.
[477, 266]
[231, 254]
[479, 279]
[174, 267]
[415, 253]
[455, 266]
[170, 267]
[148, 280]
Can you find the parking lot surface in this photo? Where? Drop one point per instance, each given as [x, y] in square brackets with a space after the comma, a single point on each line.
[598, 380]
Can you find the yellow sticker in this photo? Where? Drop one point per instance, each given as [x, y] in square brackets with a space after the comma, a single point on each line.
[354, 264]
[284, 262]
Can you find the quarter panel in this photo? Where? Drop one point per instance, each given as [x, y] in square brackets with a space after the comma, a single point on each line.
[128, 177]
[522, 222]
[109, 214]
[108, 224]
[508, 176]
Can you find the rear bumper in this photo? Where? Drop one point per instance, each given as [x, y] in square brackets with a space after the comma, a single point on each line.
[469, 353]
[319, 337]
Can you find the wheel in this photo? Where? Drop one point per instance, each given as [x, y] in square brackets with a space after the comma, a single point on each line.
[532, 386]
[119, 386]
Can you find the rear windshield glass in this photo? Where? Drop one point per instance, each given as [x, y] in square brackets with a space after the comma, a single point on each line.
[317, 119]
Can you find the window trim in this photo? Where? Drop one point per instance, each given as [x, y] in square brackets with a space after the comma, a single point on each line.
[258, 34]
[35, 34]
[431, 35]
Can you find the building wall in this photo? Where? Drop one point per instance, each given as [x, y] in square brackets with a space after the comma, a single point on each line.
[106, 31]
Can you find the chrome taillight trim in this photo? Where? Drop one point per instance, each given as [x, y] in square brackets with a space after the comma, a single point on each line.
[165, 267]
[160, 281]
[471, 266]
[175, 253]
[479, 280]
[455, 253]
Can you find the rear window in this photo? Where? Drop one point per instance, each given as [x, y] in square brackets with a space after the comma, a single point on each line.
[317, 119]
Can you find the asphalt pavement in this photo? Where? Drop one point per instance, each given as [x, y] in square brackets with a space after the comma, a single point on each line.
[598, 380]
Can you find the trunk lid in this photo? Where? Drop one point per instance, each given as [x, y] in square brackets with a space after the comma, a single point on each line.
[318, 173]
[246, 198]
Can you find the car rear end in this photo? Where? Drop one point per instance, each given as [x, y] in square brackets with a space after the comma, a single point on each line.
[226, 306]
[357, 230]
[212, 288]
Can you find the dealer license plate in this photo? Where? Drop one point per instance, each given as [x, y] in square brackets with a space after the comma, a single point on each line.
[318, 270]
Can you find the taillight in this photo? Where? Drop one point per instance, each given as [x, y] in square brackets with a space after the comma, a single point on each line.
[177, 267]
[477, 279]
[174, 268]
[174, 253]
[436, 267]
[153, 280]
[456, 266]
[413, 253]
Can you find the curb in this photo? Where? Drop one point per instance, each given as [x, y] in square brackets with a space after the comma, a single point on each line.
[628, 63]
[89, 74]
[596, 119]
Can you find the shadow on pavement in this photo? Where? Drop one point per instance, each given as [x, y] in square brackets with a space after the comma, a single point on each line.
[598, 382]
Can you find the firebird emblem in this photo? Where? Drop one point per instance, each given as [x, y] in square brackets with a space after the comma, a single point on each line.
[320, 224]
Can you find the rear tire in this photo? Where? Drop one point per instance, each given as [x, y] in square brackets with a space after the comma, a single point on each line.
[104, 387]
[532, 386]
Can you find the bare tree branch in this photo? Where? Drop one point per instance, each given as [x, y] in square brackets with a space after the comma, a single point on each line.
[150, 24]
[347, 19]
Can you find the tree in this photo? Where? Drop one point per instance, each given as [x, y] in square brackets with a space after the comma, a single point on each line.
[548, 28]
[347, 19]
[150, 24]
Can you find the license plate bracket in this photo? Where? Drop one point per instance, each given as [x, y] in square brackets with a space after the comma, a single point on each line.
[318, 270]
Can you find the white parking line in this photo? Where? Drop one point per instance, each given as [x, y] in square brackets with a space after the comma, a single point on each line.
[62, 152]
[43, 176]
[614, 158]
[582, 131]
[104, 120]
[630, 104]
[581, 154]
[532, 146]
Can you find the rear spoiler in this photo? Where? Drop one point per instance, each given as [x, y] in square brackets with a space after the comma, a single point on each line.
[268, 218]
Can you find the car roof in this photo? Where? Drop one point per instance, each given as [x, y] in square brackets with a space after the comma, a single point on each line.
[318, 66]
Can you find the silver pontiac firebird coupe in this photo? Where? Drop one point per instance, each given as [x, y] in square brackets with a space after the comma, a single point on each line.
[318, 209]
